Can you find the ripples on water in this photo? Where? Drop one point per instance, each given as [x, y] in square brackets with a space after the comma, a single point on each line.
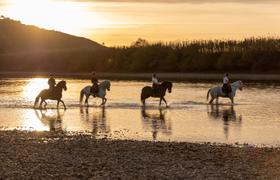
[254, 119]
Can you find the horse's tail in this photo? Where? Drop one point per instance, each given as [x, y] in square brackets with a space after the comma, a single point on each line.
[208, 94]
[145, 93]
[81, 96]
[142, 96]
[37, 100]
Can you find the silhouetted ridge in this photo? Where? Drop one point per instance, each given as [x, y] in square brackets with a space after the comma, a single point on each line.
[17, 37]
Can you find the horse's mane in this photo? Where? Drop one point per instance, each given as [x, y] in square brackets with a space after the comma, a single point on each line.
[60, 83]
[236, 83]
[105, 82]
[166, 82]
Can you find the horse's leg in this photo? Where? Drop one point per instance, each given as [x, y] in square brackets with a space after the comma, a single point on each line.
[164, 101]
[63, 104]
[160, 101]
[40, 106]
[45, 106]
[104, 100]
[211, 101]
[143, 102]
[217, 100]
[86, 101]
[57, 105]
[232, 101]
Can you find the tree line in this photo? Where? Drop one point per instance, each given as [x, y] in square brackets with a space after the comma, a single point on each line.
[254, 55]
[248, 55]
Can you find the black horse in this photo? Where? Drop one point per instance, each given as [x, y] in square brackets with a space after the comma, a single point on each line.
[156, 122]
[147, 92]
[55, 95]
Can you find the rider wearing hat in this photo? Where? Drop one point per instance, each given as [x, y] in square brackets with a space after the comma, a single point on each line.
[95, 87]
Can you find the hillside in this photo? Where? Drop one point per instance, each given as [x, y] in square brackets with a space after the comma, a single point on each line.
[17, 37]
[28, 48]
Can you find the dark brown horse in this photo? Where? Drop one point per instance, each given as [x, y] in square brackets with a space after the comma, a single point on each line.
[55, 95]
[147, 92]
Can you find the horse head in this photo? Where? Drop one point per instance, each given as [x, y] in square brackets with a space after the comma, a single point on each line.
[167, 85]
[241, 85]
[109, 86]
[106, 85]
[238, 85]
[62, 85]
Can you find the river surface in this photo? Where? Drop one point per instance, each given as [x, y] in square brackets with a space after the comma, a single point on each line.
[254, 119]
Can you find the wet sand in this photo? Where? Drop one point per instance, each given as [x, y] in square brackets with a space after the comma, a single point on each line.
[45, 155]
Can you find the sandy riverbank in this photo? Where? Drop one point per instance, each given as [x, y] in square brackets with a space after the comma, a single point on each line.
[147, 76]
[43, 155]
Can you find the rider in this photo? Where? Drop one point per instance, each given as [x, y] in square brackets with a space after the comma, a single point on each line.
[226, 85]
[51, 83]
[95, 87]
[155, 83]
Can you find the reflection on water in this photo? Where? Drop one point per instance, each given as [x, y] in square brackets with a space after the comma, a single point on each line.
[31, 121]
[98, 120]
[51, 119]
[156, 122]
[227, 114]
[123, 118]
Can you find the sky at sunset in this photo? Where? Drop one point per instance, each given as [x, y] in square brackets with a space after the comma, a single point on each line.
[120, 22]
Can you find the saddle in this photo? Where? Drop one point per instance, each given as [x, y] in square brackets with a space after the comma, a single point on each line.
[226, 89]
[94, 89]
[155, 90]
[51, 91]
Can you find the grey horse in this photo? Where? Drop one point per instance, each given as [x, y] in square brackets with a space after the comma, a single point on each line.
[105, 85]
[217, 92]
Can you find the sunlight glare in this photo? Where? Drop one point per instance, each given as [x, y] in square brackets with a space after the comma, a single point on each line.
[32, 121]
[69, 17]
[33, 88]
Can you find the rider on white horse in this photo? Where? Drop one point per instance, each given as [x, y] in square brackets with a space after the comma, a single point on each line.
[95, 86]
[103, 86]
[217, 92]
[226, 85]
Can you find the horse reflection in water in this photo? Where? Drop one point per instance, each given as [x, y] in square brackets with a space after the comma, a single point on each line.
[97, 119]
[51, 118]
[156, 122]
[228, 115]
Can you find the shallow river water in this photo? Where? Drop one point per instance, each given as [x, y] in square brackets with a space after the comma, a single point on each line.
[254, 119]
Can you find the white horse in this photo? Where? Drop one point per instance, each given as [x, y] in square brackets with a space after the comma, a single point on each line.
[217, 92]
[101, 93]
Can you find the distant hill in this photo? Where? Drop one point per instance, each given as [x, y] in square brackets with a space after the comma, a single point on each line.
[17, 37]
[28, 48]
